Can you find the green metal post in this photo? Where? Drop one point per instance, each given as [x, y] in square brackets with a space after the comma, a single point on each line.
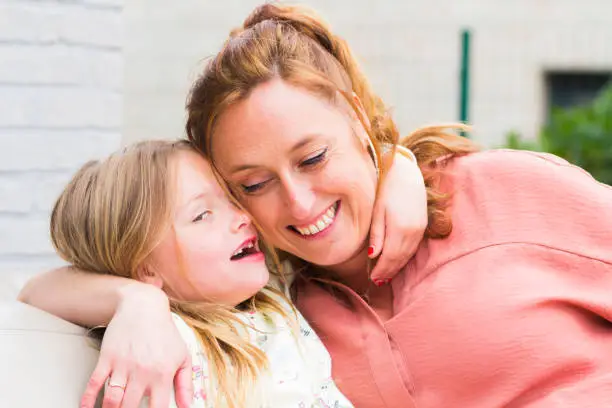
[464, 79]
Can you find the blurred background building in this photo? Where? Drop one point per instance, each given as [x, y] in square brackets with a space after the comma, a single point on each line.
[79, 78]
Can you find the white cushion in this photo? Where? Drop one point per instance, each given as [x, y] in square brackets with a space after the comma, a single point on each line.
[46, 361]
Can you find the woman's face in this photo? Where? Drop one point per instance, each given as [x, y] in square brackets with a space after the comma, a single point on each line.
[300, 166]
[211, 252]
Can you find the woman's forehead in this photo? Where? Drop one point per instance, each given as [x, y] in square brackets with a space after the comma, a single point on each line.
[276, 117]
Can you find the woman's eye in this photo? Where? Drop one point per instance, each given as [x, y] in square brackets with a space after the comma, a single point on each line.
[311, 161]
[201, 216]
[253, 188]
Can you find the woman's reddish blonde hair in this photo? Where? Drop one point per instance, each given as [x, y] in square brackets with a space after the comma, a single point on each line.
[294, 44]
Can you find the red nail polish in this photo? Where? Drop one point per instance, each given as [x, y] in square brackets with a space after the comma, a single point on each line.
[378, 282]
[387, 281]
[370, 250]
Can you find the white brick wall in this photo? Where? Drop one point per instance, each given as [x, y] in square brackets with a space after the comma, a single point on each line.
[61, 94]
[410, 50]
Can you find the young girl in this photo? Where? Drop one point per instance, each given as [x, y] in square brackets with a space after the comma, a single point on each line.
[154, 212]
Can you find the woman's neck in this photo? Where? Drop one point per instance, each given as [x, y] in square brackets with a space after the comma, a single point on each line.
[354, 272]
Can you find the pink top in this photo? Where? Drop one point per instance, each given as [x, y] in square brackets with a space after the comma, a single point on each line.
[514, 309]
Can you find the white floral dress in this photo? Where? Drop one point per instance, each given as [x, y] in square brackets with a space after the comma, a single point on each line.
[299, 372]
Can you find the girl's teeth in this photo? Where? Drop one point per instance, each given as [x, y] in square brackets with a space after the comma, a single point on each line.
[247, 246]
[320, 225]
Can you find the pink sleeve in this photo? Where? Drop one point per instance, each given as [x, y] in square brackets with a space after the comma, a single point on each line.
[548, 279]
[519, 322]
[531, 270]
[596, 393]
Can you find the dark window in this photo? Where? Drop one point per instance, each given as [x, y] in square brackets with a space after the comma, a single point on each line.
[569, 89]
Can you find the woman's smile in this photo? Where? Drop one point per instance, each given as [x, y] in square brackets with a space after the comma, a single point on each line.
[320, 226]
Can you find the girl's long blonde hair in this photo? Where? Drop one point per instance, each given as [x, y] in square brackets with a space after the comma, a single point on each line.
[108, 220]
[295, 45]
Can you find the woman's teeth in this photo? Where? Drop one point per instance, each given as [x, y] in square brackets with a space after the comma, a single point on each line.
[321, 224]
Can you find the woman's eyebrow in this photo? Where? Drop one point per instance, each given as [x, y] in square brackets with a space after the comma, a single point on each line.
[309, 138]
[242, 167]
[304, 141]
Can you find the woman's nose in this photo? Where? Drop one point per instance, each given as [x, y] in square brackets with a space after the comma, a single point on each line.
[300, 198]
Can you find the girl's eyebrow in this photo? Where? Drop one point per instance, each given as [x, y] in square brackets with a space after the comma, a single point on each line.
[199, 196]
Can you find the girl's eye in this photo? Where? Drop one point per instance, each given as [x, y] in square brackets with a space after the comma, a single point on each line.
[201, 216]
[253, 188]
[311, 161]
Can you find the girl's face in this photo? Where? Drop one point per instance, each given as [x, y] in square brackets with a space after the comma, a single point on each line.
[211, 252]
[301, 168]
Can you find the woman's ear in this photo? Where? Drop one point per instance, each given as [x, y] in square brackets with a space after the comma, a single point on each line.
[364, 136]
[148, 275]
[361, 111]
[362, 117]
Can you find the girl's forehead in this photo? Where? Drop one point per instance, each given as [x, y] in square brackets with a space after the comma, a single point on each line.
[193, 174]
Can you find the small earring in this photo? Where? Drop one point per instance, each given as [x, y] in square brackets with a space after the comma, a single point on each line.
[372, 151]
[407, 151]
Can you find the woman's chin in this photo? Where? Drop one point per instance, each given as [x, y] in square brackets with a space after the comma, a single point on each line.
[327, 252]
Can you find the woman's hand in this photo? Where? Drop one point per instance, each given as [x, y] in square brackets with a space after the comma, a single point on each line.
[142, 354]
[400, 218]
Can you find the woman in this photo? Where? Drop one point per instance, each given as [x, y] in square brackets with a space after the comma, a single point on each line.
[507, 301]
[154, 212]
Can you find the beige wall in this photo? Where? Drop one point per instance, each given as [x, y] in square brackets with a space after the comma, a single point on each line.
[410, 50]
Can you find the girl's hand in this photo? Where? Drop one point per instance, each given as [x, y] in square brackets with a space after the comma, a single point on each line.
[400, 217]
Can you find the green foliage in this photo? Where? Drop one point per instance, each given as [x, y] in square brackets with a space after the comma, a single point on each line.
[514, 141]
[581, 135]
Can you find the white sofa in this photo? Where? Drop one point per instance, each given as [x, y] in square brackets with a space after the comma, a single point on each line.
[44, 361]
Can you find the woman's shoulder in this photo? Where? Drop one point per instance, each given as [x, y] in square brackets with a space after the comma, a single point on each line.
[500, 162]
[504, 177]
[520, 196]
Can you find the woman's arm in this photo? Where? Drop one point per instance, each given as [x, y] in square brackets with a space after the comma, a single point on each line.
[400, 215]
[85, 298]
[142, 349]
